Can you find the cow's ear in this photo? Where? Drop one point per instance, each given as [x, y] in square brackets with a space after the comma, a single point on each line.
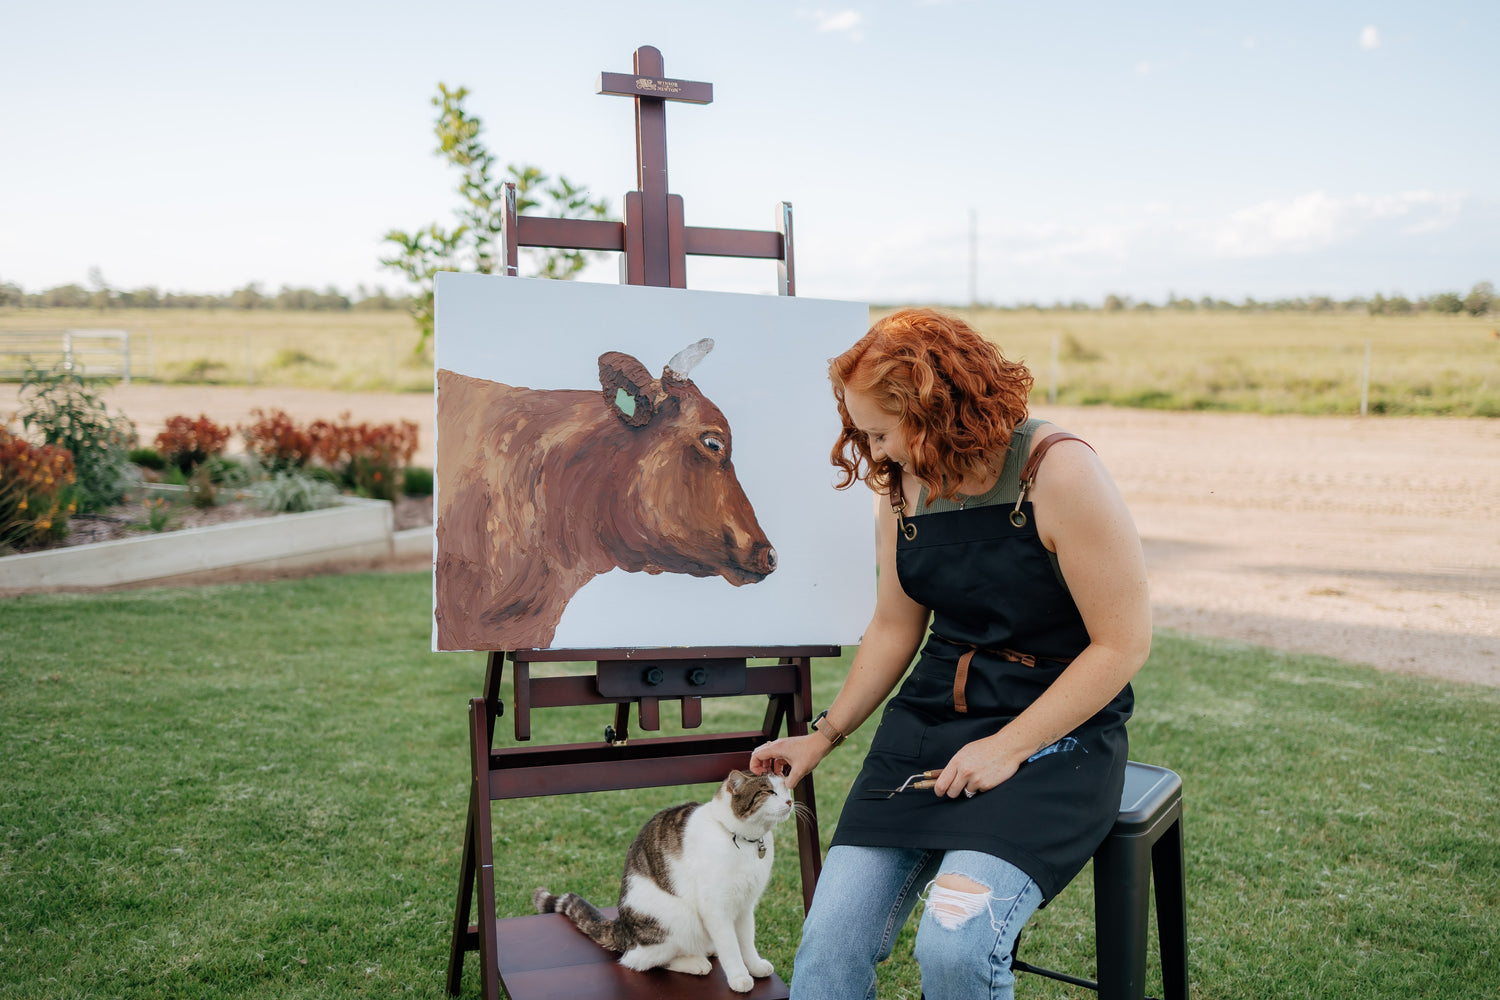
[629, 390]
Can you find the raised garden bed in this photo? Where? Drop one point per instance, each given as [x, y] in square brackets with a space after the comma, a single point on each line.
[356, 531]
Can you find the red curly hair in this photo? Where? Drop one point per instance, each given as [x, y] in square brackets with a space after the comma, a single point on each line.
[957, 398]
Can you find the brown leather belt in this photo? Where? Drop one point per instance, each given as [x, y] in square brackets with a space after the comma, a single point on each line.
[961, 673]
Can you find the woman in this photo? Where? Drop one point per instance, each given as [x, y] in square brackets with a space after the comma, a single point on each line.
[1015, 712]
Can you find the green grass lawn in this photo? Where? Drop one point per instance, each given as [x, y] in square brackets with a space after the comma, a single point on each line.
[258, 791]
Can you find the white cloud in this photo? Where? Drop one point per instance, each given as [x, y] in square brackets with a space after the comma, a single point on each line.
[1317, 220]
[1369, 38]
[847, 22]
[1143, 68]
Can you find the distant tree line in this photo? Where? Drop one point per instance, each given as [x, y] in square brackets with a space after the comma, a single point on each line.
[1480, 301]
[101, 296]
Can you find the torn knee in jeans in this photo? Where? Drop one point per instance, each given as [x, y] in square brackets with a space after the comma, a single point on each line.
[956, 899]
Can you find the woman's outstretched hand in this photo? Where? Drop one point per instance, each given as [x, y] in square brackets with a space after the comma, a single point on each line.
[792, 757]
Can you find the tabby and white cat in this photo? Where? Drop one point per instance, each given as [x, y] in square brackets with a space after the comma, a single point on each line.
[692, 878]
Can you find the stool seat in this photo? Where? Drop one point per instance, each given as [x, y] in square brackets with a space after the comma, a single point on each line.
[544, 957]
[1145, 845]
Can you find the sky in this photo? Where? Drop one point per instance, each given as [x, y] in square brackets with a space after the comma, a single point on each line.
[933, 152]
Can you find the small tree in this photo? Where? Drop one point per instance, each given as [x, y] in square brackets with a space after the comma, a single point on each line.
[1480, 300]
[474, 244]
[1446, 302]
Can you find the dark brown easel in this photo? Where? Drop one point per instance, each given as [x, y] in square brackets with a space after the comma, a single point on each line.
[542, 956]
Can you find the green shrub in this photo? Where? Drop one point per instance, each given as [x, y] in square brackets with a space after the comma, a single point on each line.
[158, 515]
[225, 471]
[62, 405]
[288, 492]
[202, 492]
[418, 481]
[147, 458]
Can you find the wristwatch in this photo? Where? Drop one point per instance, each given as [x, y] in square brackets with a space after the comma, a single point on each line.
[828, 729]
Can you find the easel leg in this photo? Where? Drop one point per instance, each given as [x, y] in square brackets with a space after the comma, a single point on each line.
[809, 850]
[478, 868]
[461, 942]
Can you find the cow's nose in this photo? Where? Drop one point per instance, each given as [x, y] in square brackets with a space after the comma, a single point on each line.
[763, 559]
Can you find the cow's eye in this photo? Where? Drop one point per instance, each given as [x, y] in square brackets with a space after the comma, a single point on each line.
[712, 443]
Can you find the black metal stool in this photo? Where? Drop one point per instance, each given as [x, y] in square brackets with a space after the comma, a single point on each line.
[1145, 844]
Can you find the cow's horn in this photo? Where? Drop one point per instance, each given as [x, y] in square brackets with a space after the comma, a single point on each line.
[685, 360]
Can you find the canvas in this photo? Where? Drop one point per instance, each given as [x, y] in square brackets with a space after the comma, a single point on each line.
[622, 466]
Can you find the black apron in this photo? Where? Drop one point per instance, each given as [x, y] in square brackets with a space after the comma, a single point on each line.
[1004, 628]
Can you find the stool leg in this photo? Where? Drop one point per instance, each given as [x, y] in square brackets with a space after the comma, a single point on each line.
[1122, 888]
[1168, 869]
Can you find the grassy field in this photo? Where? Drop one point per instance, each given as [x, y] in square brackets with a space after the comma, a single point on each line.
[1284, 362]
[258, 790]
[320, 350]
[1271, 362]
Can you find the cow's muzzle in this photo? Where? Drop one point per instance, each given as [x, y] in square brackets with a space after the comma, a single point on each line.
[760, 564]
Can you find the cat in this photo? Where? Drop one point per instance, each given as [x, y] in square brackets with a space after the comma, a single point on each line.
[692, 878]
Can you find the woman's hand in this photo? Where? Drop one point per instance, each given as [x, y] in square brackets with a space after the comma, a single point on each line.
[793, 757]
[977, 767]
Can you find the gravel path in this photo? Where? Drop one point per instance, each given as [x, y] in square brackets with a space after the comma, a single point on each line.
[1375, 540]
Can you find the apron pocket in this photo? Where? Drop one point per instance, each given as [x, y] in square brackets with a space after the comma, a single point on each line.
[900, 735]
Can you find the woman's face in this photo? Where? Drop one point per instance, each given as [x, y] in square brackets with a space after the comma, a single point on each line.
[883, 431]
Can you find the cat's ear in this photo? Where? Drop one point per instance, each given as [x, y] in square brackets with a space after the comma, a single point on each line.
[736, 779]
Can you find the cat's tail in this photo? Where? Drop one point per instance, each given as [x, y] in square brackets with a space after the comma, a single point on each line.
[585, 916]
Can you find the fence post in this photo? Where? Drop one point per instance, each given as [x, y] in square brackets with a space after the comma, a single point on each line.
[1364, 384]
[1052, 380]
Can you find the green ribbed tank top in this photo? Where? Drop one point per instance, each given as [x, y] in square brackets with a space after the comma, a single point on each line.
[1006, 488]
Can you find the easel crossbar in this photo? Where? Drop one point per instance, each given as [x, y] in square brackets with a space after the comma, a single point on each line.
[700, 241]
[523, 772]
[583, 689]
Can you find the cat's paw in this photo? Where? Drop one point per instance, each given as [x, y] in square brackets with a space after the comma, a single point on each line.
[759, 967]
[741, 984]
[693, 965]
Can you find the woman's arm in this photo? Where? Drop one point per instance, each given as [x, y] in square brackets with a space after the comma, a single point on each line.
[1081, 516]
[885, 651]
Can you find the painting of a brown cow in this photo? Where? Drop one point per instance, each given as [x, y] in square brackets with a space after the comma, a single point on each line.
[539, 491]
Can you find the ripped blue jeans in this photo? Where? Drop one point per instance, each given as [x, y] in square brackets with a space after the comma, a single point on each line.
[964, 940]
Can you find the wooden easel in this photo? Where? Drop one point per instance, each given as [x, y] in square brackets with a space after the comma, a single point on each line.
[655, 241]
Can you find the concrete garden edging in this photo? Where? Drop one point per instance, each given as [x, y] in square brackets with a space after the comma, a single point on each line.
[356, 530]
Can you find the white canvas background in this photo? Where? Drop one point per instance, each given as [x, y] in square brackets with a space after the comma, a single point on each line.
[768, 374]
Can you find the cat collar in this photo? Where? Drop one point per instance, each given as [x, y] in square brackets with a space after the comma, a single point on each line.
[760, 845]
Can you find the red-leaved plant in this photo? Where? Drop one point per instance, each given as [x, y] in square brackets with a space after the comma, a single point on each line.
[276, 440]
[35, 491]
[188, 443]
[368, 458]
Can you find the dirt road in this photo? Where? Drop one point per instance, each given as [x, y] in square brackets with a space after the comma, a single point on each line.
[1373, 540]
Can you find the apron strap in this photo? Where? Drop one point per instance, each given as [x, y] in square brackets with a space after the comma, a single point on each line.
[961, 672]
[961, 680]
[1028, 474]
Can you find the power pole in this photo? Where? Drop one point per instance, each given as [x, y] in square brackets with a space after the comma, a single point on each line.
[973, 259]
